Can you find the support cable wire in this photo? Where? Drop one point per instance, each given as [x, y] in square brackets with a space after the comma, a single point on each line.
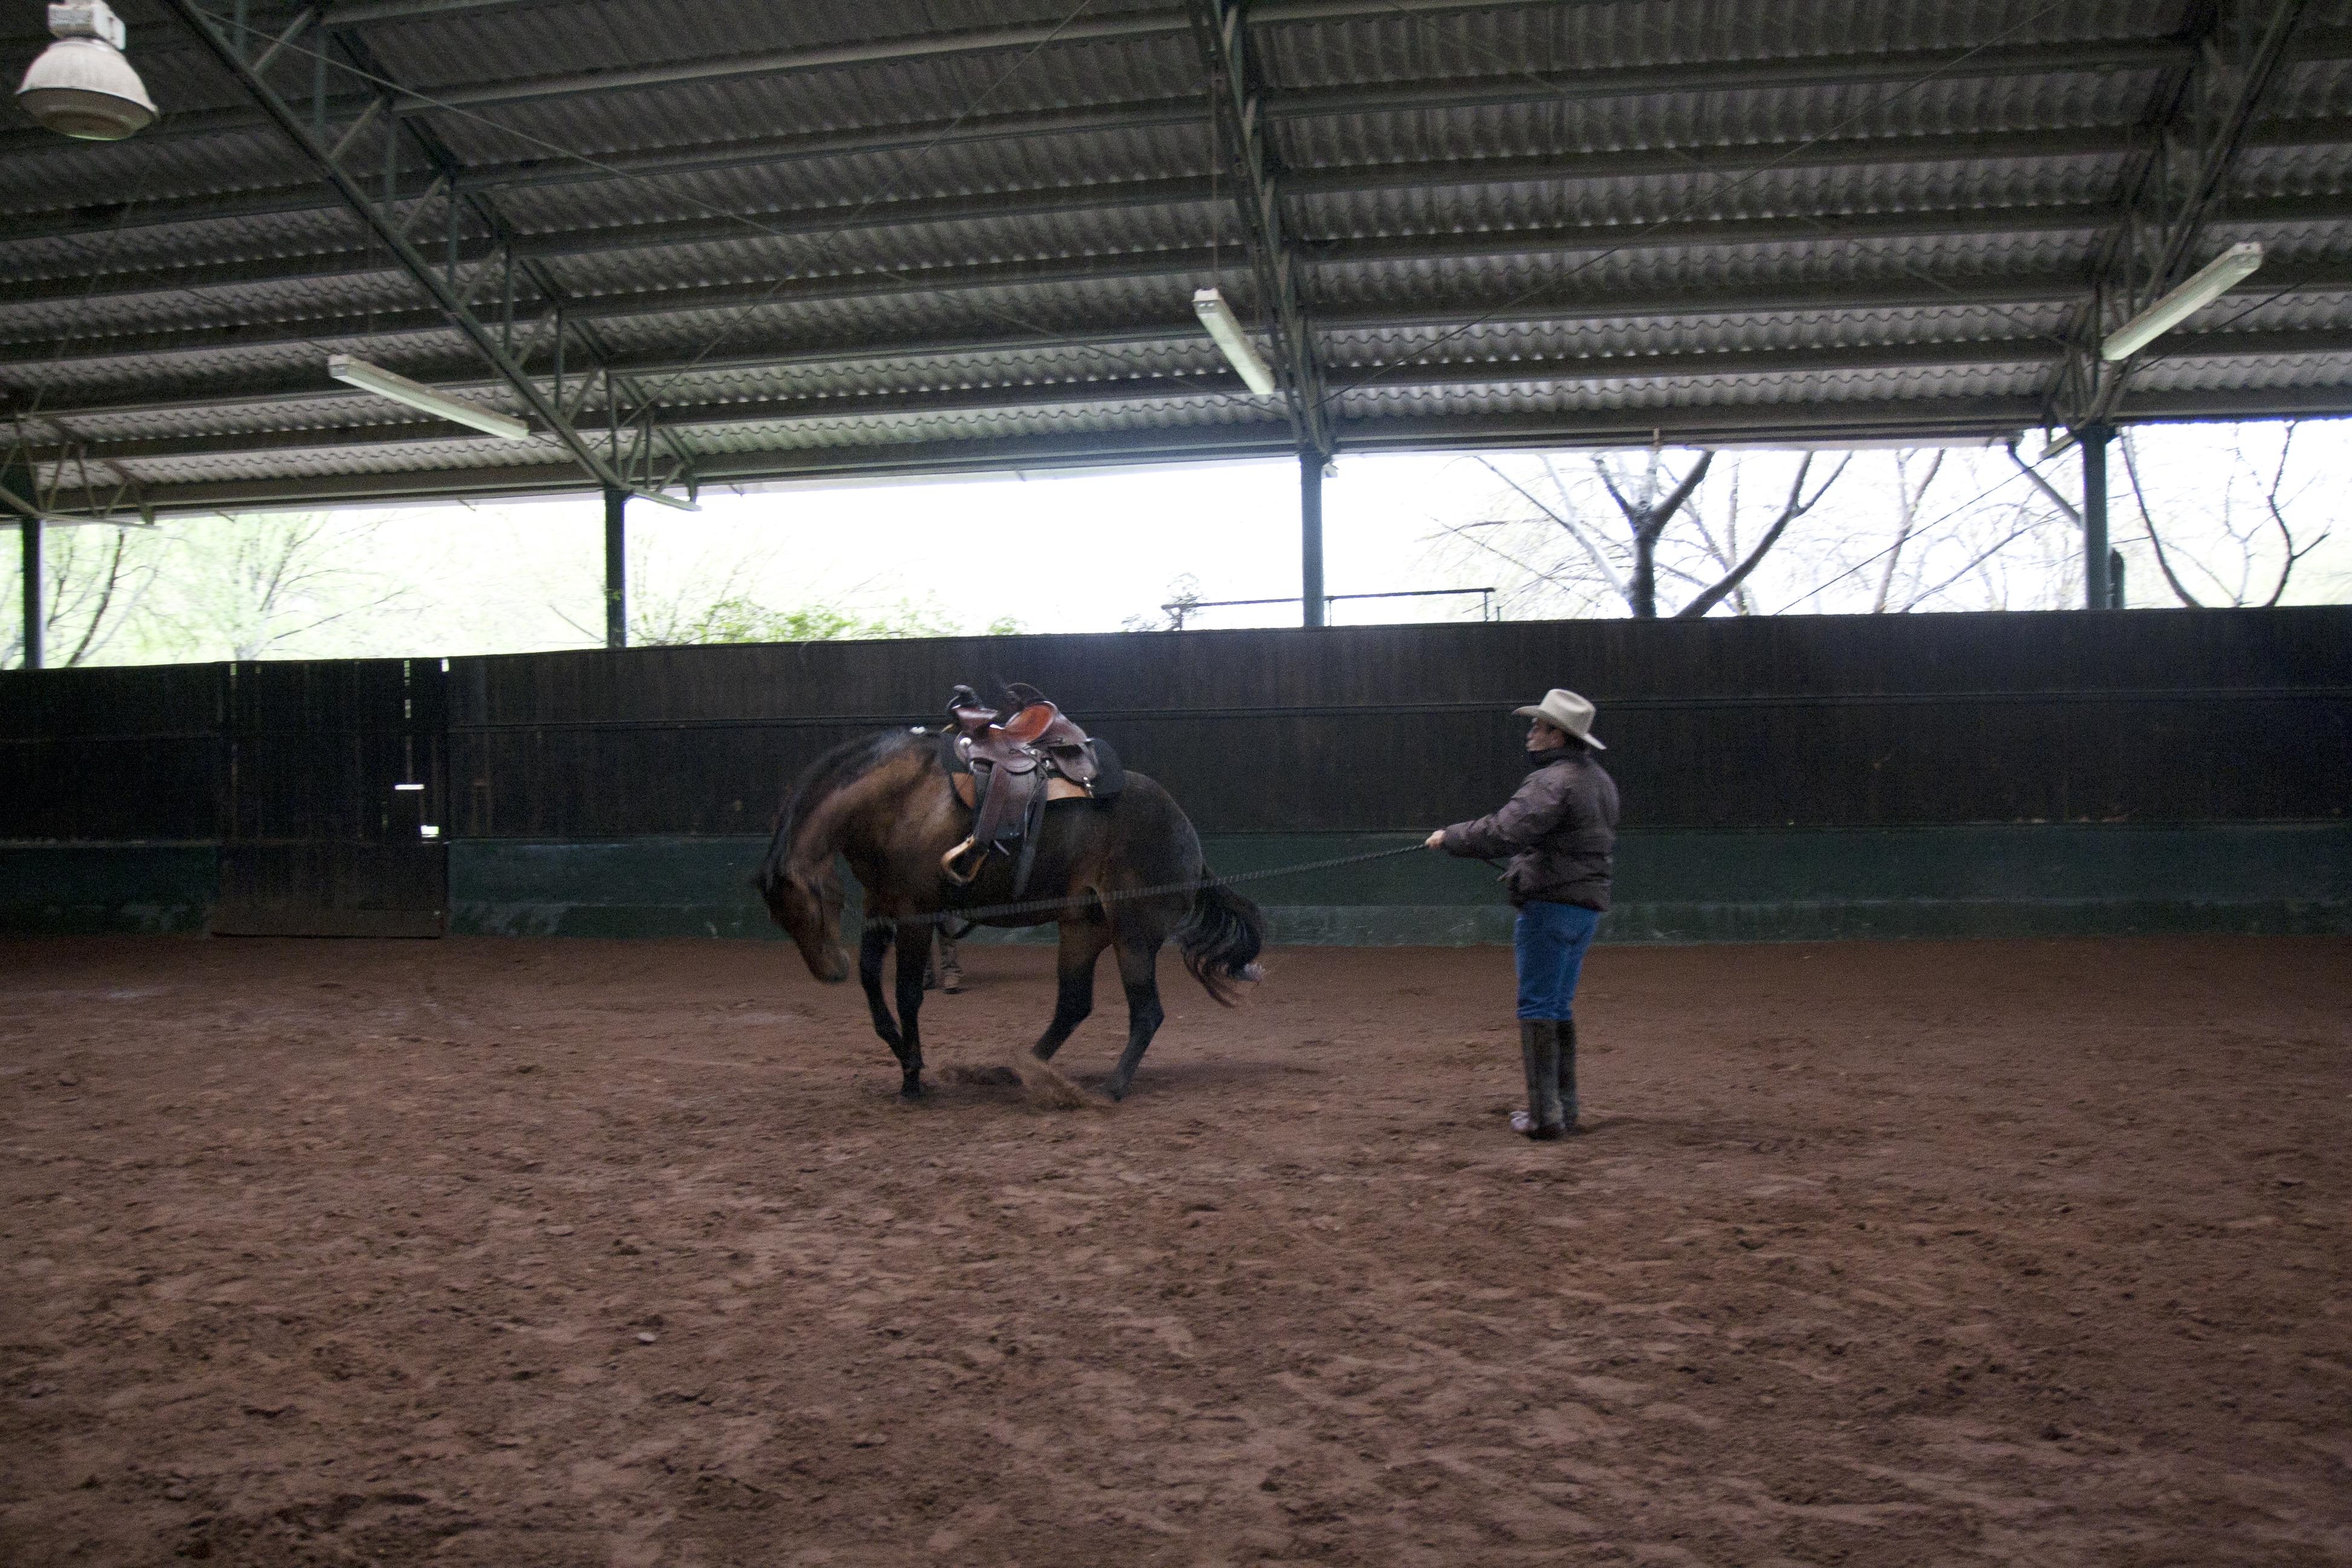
[1150, 371]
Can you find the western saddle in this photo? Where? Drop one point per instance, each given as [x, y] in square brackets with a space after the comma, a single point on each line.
[1008, 771]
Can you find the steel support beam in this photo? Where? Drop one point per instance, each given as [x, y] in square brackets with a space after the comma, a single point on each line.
[2097, 591]
[358, 13]
[393, 234]
[1193, 261]
[1431, 96]
[35, 621]
[1165, 382]
[1236, 89]
[1310, 539]
[616, 566]
[1499, 87]
[2201, 121]
[142, 276]
[2049, 291]
[508, 255]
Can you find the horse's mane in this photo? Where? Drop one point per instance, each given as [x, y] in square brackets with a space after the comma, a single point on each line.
[850, 761]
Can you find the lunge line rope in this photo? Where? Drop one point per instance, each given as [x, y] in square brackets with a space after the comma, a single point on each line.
[1036, 906]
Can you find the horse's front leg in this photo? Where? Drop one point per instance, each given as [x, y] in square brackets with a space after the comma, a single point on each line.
[1139, 971]
[872, 947]
[914, 957]
[1074, 994]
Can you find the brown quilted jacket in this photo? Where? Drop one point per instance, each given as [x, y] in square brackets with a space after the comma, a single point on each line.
[1559, 830]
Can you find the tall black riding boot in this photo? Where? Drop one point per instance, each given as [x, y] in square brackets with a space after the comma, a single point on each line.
[1566, 1076]
[1540, 1050]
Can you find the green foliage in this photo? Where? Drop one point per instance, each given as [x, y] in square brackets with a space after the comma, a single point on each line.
[739, 618]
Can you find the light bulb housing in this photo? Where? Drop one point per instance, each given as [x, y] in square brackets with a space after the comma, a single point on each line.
[1239, 352]
[81, 86]
[2217, 278]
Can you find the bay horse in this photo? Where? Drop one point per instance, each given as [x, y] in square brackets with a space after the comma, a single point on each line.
[885, 805]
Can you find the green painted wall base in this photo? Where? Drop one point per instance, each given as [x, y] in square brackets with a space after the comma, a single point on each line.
[1674, 886]
[155, 888]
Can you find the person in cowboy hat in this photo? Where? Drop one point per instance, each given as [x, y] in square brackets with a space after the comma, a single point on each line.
[1559, 830]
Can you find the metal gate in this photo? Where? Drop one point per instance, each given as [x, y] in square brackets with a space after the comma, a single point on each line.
[336, 787]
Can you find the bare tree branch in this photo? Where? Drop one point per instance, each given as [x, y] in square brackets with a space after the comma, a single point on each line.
[1794, 508]
[1908, 500]
[1460, 532]
[2131, 468]
[2278, 516]
[1675, 500]
[1566, 521]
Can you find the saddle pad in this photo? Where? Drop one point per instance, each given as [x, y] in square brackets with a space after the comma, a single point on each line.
[1057, 788]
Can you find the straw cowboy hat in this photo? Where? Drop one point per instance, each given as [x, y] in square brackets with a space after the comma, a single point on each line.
[1564, 710]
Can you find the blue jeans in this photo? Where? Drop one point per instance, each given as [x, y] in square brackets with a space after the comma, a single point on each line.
[1549, 942]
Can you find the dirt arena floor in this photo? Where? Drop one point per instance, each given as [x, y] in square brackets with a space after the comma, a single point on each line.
[483, 1252]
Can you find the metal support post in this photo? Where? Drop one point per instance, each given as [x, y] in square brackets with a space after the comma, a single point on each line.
[616, 567]
[1310, 536]
[31, 526]
[2095, 591]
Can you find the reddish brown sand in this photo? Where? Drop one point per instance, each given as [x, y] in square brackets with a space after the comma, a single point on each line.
[520, 1253]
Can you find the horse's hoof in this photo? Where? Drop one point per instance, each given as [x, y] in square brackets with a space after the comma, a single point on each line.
[910, 1092]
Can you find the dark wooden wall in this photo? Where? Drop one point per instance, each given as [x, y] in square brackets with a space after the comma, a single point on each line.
[113, 754]
[2145, 716]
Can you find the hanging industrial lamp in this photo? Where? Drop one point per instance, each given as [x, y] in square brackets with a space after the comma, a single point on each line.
[81, 86]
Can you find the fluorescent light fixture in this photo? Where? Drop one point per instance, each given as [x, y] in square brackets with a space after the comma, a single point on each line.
[400, 389]
[2220, 275]
[1218, 317]
[409, 788]
[1921, 443]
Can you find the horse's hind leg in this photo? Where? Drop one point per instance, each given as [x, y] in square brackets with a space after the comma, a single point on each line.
[1139, 971]
[1074, 997]
[872, 948]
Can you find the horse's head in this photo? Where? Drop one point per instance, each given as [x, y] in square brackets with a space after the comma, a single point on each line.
[808, 906]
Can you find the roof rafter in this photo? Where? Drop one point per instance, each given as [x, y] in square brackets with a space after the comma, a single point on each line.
[1900, 292]
[1714, 366]
[1604, 82]
[1529, 241]
[2172, 191]
[77, 283]
[382, 220]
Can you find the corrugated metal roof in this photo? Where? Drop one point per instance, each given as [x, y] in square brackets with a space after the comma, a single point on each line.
[965, 233]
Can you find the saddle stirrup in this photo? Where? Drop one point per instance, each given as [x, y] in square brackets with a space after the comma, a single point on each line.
[948, 863]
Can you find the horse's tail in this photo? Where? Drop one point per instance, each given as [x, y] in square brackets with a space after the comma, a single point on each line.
[1220, 940]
